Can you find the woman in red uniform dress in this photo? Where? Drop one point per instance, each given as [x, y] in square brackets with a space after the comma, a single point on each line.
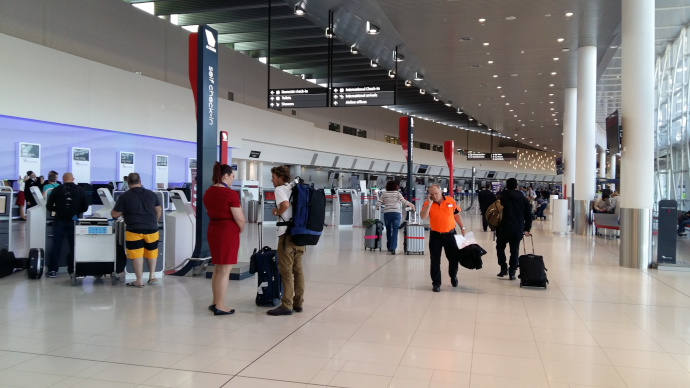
[223, 235]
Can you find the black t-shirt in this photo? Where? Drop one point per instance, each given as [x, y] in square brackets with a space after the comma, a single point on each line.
[138, 207]
[67, 201]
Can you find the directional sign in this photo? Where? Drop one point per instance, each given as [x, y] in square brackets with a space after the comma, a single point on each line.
[478, 156]
[368, 95]
[298, 98]
[504, 156]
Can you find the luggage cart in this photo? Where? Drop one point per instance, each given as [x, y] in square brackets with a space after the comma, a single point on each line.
[94, 249]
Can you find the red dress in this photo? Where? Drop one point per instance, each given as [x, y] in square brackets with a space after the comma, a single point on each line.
[223, 234]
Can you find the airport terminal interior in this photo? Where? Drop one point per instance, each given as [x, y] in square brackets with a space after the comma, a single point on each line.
[396, 105]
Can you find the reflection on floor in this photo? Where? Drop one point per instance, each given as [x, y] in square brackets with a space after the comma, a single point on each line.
[370, 320]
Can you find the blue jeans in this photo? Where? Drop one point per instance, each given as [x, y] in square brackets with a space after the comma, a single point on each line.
[682, 225]
[392, 222]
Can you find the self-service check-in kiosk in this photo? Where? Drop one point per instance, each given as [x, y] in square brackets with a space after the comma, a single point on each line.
[269, 204]
[181, 227]
[108, 203]
[347, 205]
[40, 229]
[330, 213]
[6, 196]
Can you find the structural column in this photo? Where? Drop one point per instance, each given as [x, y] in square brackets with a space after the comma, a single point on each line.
[569, 131]
[612, 170]
[602, 163]
[637, 155]
[260, 173]
[586, 126]
[295, 171]
[242, 170]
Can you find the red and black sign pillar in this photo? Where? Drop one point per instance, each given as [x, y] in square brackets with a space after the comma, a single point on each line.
[405, 133]
[203, 73]
[449, 153]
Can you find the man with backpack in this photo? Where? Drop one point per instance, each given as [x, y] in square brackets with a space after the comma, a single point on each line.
[67, 201]
[516, 221]
[486, 197]
[289, 253]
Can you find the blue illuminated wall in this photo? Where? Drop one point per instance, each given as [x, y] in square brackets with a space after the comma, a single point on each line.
[57, 139]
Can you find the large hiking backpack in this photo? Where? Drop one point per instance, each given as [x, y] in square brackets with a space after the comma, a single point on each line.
[308, 214]
[494, 214]
[67, 205]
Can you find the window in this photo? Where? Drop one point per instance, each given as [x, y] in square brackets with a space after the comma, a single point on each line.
[437, 147]
[424, 146]
[349, 130]
[391, 139]
[361, 133]
[334, 127]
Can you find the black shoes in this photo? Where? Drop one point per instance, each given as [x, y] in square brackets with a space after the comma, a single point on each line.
[221, 312]
[454, 281]
[682, 234]
[436, 289]
[512, 276]
[280, 310]
[297, 309]
[502, 274]
[212, 307]
[402, 226]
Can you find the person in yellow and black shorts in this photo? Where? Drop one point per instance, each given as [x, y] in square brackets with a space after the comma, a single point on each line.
[141, 210]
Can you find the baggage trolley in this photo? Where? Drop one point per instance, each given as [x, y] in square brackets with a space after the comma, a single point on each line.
[94, 249]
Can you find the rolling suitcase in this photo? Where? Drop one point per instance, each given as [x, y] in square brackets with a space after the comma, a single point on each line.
[264, 263]
[532, 269]
[413, 241]
[36, 263]
[372, 236]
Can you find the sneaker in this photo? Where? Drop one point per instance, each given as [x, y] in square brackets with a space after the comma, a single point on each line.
[280, 310]
[52, 274]
[682, 234]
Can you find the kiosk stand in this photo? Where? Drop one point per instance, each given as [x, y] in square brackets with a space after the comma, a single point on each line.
[347, 207]
[269, 199]
[6, 196]
[181, 224]
[330, 212]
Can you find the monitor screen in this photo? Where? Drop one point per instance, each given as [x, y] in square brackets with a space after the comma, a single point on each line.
[613, 133]
[491, 174]
[4, 208]
[269, 195]
[422, 169]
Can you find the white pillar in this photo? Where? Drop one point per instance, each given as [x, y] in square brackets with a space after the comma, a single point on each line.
[242, 170]
[602, 163]
[637, 156]
[295, 171]
[569, 131]
[612, 170]
[260, 174]
[586, 126]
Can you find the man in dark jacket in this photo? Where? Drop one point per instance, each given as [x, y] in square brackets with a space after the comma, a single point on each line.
[67, 201]
[516, 222]
[486, 198]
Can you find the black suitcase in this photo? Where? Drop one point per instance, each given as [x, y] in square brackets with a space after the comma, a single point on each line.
[532, 269]
[264, 263]
[36, 263]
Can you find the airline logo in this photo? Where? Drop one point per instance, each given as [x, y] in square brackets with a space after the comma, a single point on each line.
[211, 41]
[225, 136]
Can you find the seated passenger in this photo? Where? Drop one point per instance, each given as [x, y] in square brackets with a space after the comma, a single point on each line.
[683, 221]
[614, 203]
[602, 204]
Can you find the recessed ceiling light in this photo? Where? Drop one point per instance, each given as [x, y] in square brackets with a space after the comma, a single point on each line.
[422, 91]
[354, 49]
[498, 87]
[372, 29]
[408, 83]
[495, 75]
[565, 49]
[550, 94]
[374, 64]
[560, 40]
[511, 18]
[511, 110]
[555, 59]
[398, 57]
[568, 14]
[503, 96]
[418, 76]
[391, 73]
[551, 85]
[553, 73]
[550, 102]
[449, 103]
[490, 62]
[486, 44]
[548, 15]
[614, 47]
[299, 11]
[434, 91]
[482, 20]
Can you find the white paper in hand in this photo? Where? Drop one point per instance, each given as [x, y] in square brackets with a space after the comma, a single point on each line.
[467, 239]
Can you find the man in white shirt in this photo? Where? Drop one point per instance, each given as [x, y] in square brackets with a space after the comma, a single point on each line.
[289, 254]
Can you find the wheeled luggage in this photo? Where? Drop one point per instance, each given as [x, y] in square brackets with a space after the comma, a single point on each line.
[264, 263]
[532, 269]
[372, 235]
[36, 263]
[413, 241]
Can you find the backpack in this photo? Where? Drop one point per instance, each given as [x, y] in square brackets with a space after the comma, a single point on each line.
[67, 204]
[308, 214]
[494, 215]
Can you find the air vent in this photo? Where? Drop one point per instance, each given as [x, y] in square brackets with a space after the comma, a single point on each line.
[294, 112]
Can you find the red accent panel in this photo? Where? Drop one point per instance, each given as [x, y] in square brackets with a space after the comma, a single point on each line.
[415, 238]
[449, 152]
[402, 133]
[193, 64]
[223, 147]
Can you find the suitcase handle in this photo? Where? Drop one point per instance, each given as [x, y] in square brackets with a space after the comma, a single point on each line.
[524, 246]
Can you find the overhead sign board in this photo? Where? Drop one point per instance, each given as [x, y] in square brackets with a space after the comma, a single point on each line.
[504, 156]
[366, 95]
[298, 98]
[254, 154]
[478, 156]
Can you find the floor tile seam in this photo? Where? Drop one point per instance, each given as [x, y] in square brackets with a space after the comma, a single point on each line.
[282, 381]
[316, 315]
[115, 363]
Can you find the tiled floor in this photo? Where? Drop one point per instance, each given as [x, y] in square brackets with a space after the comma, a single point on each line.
[370, 321]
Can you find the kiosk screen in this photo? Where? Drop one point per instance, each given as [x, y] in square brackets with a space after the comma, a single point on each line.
[270, 195]
[345, 198]
[4, 208]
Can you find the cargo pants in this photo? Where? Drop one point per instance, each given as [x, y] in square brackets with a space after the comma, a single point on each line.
[290, 268]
